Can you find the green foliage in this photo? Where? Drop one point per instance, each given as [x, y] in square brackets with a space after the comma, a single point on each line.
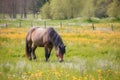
[45, 11]
[67, 9]
[88, 10]
[56, 9]
[101, 7]
[114, 9]
[62, 9]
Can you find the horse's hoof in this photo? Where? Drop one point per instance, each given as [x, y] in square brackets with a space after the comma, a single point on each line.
[46, 60]
[30, 59]
[60, 61]
[35, 60]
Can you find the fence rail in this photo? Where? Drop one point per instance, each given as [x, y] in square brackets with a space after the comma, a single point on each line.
[93, 26]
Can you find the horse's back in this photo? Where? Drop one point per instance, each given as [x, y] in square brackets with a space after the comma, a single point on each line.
[40, 36]
[28, 37]
[37, 36]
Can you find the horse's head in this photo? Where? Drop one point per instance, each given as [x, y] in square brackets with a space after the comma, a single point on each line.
[60, 52]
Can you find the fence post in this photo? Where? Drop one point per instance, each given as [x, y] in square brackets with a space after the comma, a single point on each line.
[45, 24]
[6, 25]
[60, 24]
[93, 27]
[20, 24]
[112, 27]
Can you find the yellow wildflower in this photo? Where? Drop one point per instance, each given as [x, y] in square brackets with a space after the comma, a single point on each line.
[74, 78]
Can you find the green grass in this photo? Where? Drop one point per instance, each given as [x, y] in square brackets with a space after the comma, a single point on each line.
[95, 57]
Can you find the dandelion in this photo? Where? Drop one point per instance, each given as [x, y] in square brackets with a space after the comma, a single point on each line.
[85, 77]
[99, 71]
[10, 77]
[57, 74]
[80, 78]
[47, 77]
[40, 74]
[74, 78]
[67, 74]
[108, 71]
[0, 73]
[92, 77]
[32, 75]
[99, 74]
[25, 79]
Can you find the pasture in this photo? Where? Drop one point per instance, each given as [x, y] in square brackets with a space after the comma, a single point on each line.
[90, 55]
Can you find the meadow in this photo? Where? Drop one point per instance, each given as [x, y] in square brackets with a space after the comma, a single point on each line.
[90, 55]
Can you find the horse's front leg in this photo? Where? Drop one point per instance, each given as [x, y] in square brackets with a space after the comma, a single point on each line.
[48, 52]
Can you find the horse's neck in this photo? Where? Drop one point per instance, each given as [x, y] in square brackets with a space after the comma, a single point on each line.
[57, 44]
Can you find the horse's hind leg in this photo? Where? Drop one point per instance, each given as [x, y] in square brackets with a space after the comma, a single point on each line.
[34, 55]
[33, 52]
[30, 56]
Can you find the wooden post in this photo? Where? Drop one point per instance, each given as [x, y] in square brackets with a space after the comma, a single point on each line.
[60, 24]
[93, 27]
[112, 27]
[20, 24]
[6, 25]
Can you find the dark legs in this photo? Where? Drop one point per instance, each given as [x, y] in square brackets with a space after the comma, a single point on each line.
[32, 49]
[48, 52]
[32, 52]
[47, 55]
[30, 56]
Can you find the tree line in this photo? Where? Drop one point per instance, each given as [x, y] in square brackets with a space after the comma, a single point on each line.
[66, 9]
[60, 9]
[22, 7]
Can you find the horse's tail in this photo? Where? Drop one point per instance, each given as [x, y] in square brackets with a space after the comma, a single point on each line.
[27, 49]
[28, 42]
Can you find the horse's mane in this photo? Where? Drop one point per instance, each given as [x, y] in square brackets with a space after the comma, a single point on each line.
[55, 37]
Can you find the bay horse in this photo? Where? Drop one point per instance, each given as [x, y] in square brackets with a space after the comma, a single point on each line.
[47, 38]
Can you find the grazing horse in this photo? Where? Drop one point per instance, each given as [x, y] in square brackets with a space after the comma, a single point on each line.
[47, 38]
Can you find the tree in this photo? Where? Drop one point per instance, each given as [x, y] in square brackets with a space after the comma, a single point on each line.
[45, 11]
[9, 7]
[56, 10]
[23, 8]
[114, 9]
[62, 9]
[2, 8]
[101, 8]
[36, 5]
[88, 10]
[12, 8]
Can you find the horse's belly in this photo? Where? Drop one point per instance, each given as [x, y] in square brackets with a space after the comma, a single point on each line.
[39, 43]
[37, 37]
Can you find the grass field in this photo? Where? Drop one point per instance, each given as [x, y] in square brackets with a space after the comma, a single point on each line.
[91, 55]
